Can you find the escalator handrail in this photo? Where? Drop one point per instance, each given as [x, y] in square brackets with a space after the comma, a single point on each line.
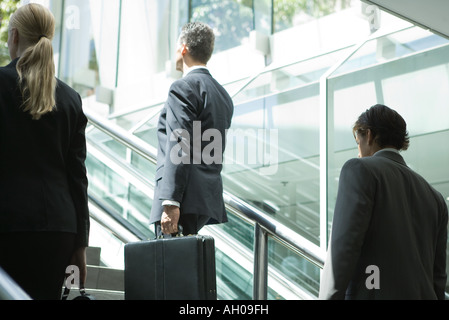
[277, 230]
[117, 218]
[298, 243]
[124, 137]
[10, 290]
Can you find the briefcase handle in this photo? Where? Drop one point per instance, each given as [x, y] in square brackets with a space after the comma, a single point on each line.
[177, 235]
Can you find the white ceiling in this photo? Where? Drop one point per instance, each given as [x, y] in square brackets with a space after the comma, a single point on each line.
[429, 14]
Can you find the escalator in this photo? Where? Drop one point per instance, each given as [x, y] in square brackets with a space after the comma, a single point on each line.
[121, 173]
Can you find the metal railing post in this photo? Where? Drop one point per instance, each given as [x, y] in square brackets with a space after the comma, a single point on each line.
[260, 284]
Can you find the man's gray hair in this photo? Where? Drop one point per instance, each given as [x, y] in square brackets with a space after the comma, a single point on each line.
[199, 39]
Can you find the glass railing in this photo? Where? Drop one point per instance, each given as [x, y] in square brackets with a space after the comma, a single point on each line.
[278, 79]
[122, 179]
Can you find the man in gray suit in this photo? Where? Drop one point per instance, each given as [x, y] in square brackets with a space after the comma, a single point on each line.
[192, 138]
[389, 232]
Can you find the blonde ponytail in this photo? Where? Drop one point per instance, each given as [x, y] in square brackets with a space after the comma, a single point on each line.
[36, 67]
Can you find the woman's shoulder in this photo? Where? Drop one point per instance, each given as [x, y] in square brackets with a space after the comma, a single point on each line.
[8, 73]
[65, 88]
[66, 93]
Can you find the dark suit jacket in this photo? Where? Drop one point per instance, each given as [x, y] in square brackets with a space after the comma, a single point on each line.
[386, 216]
[196, 185]
[43, 183]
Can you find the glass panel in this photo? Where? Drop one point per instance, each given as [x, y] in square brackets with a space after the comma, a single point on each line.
[234, 268]
[241, 232]
[132, 119]
[425, 87]
[125, 156]
[112, 248]
[143, 167]
[148, 131]
[272, 157]
[289, 77]
[291, 13]
[145, 46]
[107, 143]
[233, 281]
[233, 87]
[89, 47]
[391, 46]
[119, 194]
[303, 277]
[232, 20]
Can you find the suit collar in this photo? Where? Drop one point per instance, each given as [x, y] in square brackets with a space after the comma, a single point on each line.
[201, 70]
[392, 155]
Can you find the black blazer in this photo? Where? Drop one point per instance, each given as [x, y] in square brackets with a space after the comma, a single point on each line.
[43, 182]
[389, 217]
[195, 184]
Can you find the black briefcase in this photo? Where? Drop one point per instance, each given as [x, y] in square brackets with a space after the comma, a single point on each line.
[179, 268]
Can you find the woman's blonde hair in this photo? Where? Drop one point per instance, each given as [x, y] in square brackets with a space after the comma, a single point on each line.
[36, 68]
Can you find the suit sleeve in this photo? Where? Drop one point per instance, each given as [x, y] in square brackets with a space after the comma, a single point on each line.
[182, 107]
[77, 176]
[352, 216]
[439, 274]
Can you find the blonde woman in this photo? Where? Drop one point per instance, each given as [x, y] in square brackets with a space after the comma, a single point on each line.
[44, 218]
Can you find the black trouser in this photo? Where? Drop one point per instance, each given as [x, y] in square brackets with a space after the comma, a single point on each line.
[191, 224]
[37, 261]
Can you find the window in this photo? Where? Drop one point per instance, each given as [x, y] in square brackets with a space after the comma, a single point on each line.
[232, 20]
[290, 13]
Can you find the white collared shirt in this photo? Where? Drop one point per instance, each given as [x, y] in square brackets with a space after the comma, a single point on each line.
[194, 68]
[388, 149]
[171, 203]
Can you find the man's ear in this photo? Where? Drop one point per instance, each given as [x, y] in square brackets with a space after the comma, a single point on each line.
[370, 137]
[184, 50]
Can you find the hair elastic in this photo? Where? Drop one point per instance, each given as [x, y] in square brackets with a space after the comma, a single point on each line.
[42, 36]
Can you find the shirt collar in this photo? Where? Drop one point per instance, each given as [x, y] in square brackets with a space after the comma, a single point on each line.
[389, 150]
[194, 68]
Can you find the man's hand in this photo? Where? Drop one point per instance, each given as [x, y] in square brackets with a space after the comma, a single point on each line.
[170, 219]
